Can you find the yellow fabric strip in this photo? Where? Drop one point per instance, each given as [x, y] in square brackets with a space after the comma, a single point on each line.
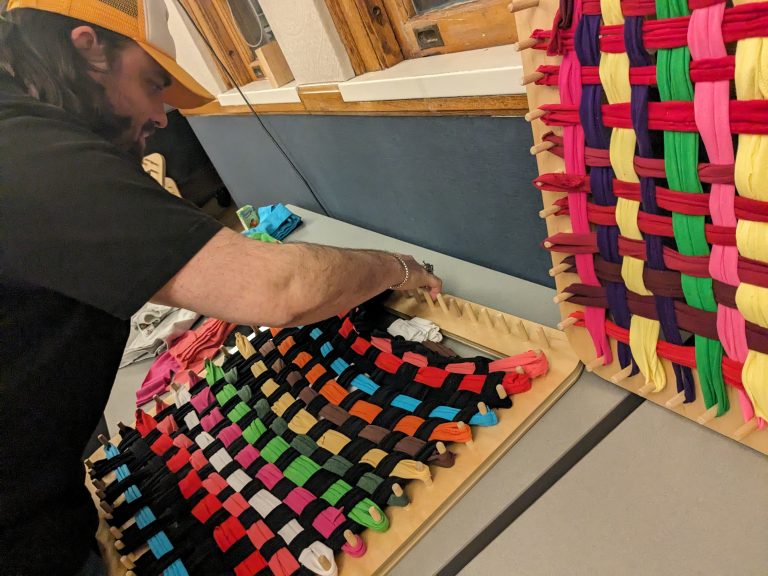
[643, 338]
[754, 375]
[410, 470]
[751, 301]
[258, 368]
[614, 76]
[302, 423]
[244, 346]
[751, 178]
[269, 387]
[333, 441]
[282, 404]
[373, 457]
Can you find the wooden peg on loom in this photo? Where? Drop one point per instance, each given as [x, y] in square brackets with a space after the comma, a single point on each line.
[224, 351]
[351, 538]
[526, 44]
[501, 324]
[594, 364]
[441, 449]
[88, 463]
[647, 389]
[460, 425]
[482, 408]
[567, 323]
[457, 309]
[427, 298]
[420, 468]
[103, 440]
[675, 401]
[708, 415]
[535, 114]
[119, 545]
[325, 564]
[622, 375]
[175, 386]
[541, 147]
[522, 330]
[125, 561]
[519, 370]
[116, 533]
[745, 429]
[374, 514]
[470, 312]
[441, 302]
[547, 212]
[562, 297]
[559, 269]
[518, 5]
[543, 338]
[485, 318]
[397, 490]
[501, 391]
[531, 78]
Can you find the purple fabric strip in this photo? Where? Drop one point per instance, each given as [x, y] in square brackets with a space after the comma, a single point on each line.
[601, 178]
[665, 307]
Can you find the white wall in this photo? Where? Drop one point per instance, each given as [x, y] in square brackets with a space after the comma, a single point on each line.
[191, 51]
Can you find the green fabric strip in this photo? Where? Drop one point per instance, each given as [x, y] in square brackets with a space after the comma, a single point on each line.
[681, 158]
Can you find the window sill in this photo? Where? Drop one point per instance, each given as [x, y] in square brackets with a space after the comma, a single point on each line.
[261, 92]
[487, 72]
[477, 82]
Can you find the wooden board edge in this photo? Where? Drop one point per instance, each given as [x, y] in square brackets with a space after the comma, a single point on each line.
[488, 463]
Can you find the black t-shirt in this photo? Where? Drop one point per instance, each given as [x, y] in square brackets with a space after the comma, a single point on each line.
[86, 238]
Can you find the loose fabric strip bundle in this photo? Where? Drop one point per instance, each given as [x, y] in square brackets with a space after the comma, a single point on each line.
[669, 217]
[280, 458]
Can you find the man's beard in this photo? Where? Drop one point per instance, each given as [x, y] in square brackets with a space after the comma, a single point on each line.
[118, 130]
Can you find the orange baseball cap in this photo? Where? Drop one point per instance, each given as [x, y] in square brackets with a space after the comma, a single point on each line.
[143, 21]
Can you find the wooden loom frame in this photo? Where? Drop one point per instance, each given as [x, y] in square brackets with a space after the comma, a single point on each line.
[539, 14]
[495, 332]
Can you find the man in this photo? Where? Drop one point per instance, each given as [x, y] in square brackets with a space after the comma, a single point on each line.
[87, 238]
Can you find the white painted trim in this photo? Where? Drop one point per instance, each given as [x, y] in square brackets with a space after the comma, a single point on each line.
[485, 72]
[261, 92]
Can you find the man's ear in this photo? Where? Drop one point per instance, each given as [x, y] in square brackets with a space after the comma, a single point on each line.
[86, 41]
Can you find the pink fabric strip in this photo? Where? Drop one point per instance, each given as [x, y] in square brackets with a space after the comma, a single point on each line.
[247, 456]
[230, 434]
[298, 498]
[202, 400]
[711, 109]
[570, 93]
[270, 475]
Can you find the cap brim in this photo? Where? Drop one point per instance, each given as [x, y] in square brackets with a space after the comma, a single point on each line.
[184, 91]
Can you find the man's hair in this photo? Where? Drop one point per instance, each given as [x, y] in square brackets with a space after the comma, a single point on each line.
[37, 50]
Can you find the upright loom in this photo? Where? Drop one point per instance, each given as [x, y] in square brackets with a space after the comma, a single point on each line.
[650, 123]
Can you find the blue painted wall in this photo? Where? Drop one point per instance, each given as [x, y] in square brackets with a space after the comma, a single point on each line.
[458, 185]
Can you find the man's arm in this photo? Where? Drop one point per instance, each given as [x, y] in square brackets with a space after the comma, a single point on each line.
[249, 282]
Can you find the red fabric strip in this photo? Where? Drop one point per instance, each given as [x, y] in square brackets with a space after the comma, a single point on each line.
[685, 355]
[713, 69]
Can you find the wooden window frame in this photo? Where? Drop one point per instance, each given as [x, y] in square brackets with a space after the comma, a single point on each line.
[378, 34]
[466, 26]
[214, 20]
[367, 33]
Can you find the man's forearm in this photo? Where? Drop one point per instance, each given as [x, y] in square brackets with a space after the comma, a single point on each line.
[248, 282]
[328, 281]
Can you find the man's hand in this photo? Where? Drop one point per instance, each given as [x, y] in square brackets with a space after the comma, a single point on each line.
[420, 278]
